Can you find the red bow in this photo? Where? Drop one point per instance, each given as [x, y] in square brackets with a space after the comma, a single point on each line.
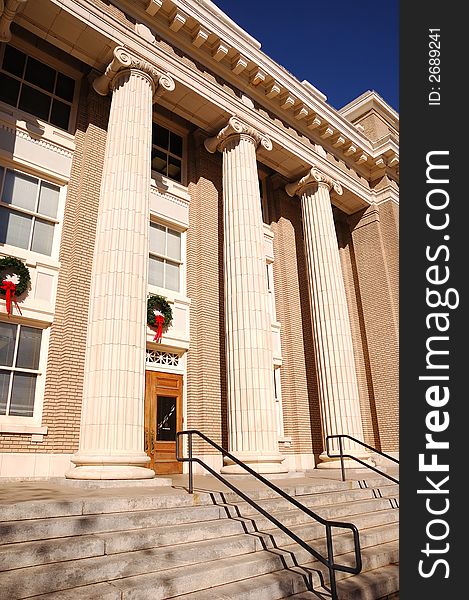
[159, 321]
[10, 289]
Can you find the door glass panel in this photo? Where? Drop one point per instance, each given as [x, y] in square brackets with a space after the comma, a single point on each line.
[166, 419]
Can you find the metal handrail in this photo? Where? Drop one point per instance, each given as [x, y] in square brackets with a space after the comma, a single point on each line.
[329, 561]
[341, 455]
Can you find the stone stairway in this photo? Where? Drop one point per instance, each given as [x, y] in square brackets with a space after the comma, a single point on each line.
[210, 545]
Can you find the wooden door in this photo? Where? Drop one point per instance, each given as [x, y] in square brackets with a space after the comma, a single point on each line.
[163, 418]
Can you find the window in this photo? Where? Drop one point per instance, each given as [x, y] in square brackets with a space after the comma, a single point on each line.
[32, 86]
[19, 363]
[165, 257]
[166, 152]
[278, 402]
[28, 211]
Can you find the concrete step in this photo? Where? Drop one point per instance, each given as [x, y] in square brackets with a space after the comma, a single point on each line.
[311, 501]
[45, 509]
[40, 529]
[53, 577]
[214, 579]
[26, 554]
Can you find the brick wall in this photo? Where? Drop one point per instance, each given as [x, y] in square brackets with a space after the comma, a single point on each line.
[64, 377]
[375, 248]
[300, 398]
[206, 374]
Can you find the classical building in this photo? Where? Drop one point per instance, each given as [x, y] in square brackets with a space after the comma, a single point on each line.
[150, 148]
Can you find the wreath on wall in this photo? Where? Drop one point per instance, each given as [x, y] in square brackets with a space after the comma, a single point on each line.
[159, 315]
[15, 280]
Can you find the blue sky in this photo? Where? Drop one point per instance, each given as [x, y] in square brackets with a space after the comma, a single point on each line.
[343, 47]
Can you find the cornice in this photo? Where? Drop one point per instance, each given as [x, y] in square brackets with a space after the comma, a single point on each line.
[211, 38]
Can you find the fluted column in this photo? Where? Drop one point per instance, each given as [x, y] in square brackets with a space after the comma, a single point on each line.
[253, 433]
[337, 379]
[112, 422]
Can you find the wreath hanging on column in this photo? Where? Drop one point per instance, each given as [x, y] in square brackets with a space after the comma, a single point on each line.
[15, 280]
[159, 315]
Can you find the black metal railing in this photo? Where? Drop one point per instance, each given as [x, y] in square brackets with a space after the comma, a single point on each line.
[341, 455]
[328, 524]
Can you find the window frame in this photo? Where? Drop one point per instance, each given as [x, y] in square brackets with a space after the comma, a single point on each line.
[54, 63]
[181, 132]
[57, 221]
[181, 262]
[36, 418]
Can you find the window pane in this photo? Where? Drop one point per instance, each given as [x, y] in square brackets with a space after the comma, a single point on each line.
[160, 136]
[172, 276]
[35, 102]
[158, 161]
[28, 348]
[13, 61]
[48, 200]
[43, 235]
[175, 144]
[60, 114]
[22, 395]
[9, 89]
[20, 190]
[65, 87]
[14, 228]
[174, 245]
[156, 271]
[174, 168]
[4, 383]
[166, 419]
[40, 74]
[7, 343]
[157, 239]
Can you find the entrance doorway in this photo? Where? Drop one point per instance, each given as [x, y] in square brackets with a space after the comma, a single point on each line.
[163, 418]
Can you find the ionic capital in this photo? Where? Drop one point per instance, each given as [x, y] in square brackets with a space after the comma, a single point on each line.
[237, 127]
[8, 12]
[124, 59]
[314, 177]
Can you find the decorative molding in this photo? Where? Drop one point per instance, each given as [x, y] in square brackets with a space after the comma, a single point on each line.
[177, 20]
[351, 150]
[220, 51]
[316, 122]
[301, 113]
[287, 102]
[340, 141]
[153, 7]
[239, 64]
[39, 141]
[10, 8]
[257, 76]
[124, 59]
[328, 132]
[273, 90]
[199, 36]
[314, 177]
[236, 127]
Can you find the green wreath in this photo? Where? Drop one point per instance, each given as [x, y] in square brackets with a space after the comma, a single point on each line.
[159, 303]
[9, 265]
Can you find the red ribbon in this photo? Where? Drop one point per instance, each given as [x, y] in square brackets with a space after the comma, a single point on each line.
[159, 321]
[10, 289]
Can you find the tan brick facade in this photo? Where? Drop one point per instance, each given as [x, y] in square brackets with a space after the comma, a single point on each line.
[203, 100]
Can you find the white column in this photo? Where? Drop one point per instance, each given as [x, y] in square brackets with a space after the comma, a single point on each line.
[112, 421]
[337, 379]
[253, 432]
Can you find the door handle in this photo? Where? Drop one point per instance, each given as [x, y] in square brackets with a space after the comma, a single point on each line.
[152, 442]
[146, 440]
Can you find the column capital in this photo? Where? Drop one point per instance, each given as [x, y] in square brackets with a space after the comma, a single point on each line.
[236, 126]
[124, 59]
[314, 177]
[8, 10]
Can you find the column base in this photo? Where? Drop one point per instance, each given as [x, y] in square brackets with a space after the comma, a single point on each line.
[110, 467]
[260, 463]
[325, 462]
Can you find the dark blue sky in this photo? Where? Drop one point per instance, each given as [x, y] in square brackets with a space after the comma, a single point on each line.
[343, 47]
